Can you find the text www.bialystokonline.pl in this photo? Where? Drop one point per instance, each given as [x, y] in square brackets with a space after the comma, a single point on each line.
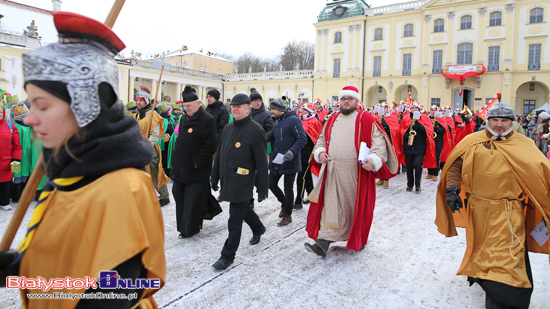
[92, 295]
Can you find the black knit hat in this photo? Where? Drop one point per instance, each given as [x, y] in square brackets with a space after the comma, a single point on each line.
[189, 94]
[240, 99]
[214, 93]
[255, 95]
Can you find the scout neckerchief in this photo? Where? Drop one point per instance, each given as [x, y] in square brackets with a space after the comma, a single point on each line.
[40, 208]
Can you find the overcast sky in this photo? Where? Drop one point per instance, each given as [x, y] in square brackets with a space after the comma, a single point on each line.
[230, 27]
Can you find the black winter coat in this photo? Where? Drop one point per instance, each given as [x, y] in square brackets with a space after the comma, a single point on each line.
[195, 147]
[440, 131]
[242, 145]
[263, 118]
[288, 134]
[220, 114]
[419, 144]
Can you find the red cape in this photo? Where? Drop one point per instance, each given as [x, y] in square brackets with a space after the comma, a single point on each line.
[313, 129]
[448, 144]
[460, 133]
[429, 158]
[366, 189]
[393, 122]
[322, 114]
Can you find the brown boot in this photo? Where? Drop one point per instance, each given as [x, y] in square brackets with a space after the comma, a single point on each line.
[285, 220]
[380, 182]
[386, 184]
[434, 177]
[429, 176]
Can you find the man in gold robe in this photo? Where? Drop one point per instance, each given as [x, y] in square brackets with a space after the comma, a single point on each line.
[156, 130]
[506, 179]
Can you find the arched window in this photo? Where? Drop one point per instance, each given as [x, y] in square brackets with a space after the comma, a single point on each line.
[464, 53]
[495, 19]
[338, 37]
[466, 22]
[408, 30]
[536, 15]
[439, 25]
[378, 34]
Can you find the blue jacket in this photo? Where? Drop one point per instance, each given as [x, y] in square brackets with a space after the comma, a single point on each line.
[288, 133]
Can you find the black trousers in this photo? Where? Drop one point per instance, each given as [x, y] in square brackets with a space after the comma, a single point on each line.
[305, 174]
[287, 198]
[435, 171]
[239, 212]
[5, 193]
[414, 169]
[191, 202]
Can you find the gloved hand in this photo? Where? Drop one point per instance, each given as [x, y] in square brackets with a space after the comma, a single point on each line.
[262, 197]
[454, 201]
[288, 156]
[6, 267]
[214, 185]
[545, 136]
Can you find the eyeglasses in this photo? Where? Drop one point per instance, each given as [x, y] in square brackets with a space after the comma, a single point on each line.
[347, 99]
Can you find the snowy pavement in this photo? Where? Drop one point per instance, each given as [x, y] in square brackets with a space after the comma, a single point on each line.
[406, 264]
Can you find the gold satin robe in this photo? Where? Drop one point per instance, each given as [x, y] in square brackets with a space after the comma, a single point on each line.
[497, 182]
[95, 228]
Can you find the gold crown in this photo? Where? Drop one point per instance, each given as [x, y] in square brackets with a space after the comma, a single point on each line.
[20, 109]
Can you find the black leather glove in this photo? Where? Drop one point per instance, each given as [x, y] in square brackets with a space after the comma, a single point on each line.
[6, 266]
[288, 156]
[453, 199]
[262, 197]
[214, 185]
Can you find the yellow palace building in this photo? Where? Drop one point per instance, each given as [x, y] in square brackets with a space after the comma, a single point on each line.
[387, 51]
[384, 52]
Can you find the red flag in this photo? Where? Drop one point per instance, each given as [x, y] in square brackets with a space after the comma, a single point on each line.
[483, 112]
[409, 99]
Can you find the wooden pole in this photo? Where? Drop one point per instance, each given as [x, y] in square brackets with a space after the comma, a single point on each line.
[154, 103]
[22, 206]
[36, 176]
[113, 14]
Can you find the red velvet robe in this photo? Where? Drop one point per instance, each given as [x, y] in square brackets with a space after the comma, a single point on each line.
[313, 129]
[366, 189]
[447, 140]
[460, 133]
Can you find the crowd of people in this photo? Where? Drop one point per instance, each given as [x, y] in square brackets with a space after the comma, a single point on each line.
[108, 165]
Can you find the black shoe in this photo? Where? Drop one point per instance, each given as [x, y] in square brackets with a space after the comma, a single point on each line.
[297, 206]
[180, 236]
[418, 190]
[362, 248]
[164, 202]
[222, 264]
[315, 249]
[256, 238]
[306, 201]
[409, 189]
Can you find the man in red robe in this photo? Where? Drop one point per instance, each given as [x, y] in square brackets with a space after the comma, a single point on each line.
[304, 180]
[342, 202]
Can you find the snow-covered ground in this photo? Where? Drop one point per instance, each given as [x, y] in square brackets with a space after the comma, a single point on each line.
[406, 264]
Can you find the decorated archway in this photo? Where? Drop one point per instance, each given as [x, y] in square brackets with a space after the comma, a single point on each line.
[402, 93]
[530, 96]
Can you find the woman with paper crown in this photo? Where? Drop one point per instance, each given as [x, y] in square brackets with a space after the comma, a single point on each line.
[99, 210]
